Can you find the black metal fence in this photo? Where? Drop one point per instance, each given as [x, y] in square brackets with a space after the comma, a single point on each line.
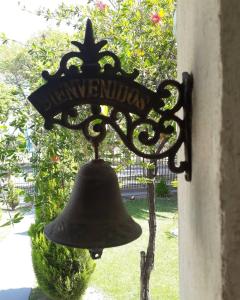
[130, 175]
[25, 186]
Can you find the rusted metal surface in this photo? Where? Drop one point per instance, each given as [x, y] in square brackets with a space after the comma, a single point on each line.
[60, 101]
[95, 217]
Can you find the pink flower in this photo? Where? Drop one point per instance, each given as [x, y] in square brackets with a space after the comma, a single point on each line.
[101, 6]
[55, 159]
[156, 18]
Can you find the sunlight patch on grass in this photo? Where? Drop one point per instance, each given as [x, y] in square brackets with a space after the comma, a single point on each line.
[117, 274]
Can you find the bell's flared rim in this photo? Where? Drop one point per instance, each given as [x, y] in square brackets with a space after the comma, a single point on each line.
[95, 216]
[89, 236]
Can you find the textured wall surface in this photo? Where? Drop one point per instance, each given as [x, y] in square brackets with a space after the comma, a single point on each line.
[209, 47]
[198, 37]
[230, 145]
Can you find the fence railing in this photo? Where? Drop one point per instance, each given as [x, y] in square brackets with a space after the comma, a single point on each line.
[129, 176]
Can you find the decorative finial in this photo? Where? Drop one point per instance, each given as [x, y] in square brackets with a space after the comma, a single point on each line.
[89, 36]
[89, 41]
[89, 49]
[90, 54]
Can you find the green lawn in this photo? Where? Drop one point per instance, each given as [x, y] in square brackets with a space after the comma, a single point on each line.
[117, 272]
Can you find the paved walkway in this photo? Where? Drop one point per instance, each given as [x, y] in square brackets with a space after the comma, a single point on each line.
[16, 272]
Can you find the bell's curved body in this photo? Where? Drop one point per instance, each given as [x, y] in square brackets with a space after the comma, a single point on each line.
[95, 217]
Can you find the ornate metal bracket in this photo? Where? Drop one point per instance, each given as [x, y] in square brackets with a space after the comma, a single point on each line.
[59, 101]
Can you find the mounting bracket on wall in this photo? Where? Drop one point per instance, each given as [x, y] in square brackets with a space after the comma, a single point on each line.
[60, 101]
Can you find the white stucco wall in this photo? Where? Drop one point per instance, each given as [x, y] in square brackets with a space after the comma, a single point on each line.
[198, 37]
[208, 35]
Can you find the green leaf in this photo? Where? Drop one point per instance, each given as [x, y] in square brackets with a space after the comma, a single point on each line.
[16, 219]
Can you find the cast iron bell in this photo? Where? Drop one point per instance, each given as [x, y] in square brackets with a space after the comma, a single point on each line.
[95, 217]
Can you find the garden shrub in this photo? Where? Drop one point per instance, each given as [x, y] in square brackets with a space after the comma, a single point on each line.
[12, 198]
[162, 189]
[62, 272]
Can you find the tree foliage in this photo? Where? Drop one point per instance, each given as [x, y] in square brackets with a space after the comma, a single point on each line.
[140, 33]
[52, 160]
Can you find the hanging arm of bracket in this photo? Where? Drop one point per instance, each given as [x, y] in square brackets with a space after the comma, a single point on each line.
[60, 101]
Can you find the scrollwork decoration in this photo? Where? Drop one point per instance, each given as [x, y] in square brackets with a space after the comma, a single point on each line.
[89, 53]
[69, 88]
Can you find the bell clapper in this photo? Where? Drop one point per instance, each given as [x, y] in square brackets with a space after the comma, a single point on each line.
[96, 253]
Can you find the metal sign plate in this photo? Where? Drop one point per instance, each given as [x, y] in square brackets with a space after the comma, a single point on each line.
[91, 83]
